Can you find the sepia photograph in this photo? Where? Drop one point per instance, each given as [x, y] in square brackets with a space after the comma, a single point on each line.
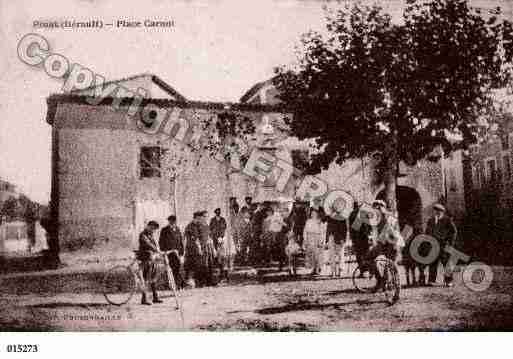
[255, 166]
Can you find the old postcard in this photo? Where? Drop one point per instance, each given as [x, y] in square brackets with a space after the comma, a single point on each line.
[287, 165]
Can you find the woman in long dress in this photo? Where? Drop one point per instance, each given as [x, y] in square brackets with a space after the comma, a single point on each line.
[313, 240]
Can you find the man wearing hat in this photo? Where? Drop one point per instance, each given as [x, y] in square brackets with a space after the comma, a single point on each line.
[218, 234]
[217, 228]
[171, 239]
[442, 228]
[245, 238]
[147, 254]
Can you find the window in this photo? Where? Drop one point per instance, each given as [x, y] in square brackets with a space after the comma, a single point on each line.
[506, 167]
[300, 159]
[150, 162]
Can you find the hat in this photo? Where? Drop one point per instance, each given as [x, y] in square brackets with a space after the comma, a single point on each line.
[217, 210]
[197, 214]
[153, 224]
[439, 207]
[379, 202]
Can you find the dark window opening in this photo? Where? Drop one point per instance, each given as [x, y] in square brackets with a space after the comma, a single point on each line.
[150, 161]
[300, 159]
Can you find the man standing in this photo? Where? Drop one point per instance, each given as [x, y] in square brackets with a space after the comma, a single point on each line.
[257, 220]
[218, 234]
[267, 237]
[208, 250]
[193, 249]
[171, 239]
[441, 228]
[298, 219]
[148, 252]
[217, 228]
[336, 234]
[244, 236]
[276, 226]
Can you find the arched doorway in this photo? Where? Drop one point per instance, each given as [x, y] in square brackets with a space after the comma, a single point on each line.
[409, 207]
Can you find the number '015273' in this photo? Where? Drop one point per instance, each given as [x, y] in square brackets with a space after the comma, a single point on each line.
[22, 348]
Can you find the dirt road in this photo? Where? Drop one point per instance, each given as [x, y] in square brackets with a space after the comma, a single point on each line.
[272, 301]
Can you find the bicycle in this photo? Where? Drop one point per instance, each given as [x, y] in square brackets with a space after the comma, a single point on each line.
[121, 282]
[366, 282]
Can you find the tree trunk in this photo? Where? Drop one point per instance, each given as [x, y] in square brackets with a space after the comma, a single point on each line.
[390, 172]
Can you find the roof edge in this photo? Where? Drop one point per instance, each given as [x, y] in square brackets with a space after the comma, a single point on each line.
[167, 88]
[257, 87]
[55, 99]
[154, 78]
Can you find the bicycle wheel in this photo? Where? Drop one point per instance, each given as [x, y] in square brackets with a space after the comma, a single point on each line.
[364, 281]
[119, 285]
[391, 284]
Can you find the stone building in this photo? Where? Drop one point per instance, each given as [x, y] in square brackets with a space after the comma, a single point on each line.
[111, 174]
[419, 186]
[488, 178]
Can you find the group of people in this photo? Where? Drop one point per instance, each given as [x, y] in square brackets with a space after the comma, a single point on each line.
[266, 232]
[193, 256]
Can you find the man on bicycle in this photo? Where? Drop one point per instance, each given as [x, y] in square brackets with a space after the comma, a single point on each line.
[386, 239]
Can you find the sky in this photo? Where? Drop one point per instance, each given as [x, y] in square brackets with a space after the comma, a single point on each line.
[216, 51]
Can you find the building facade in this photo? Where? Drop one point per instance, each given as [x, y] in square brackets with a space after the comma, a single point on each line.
[110, 176]
[419, 186]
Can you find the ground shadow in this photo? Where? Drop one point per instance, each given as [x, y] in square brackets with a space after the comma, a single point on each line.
[66, 305]
[303, 305]
[285, 277]
[342, 291]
